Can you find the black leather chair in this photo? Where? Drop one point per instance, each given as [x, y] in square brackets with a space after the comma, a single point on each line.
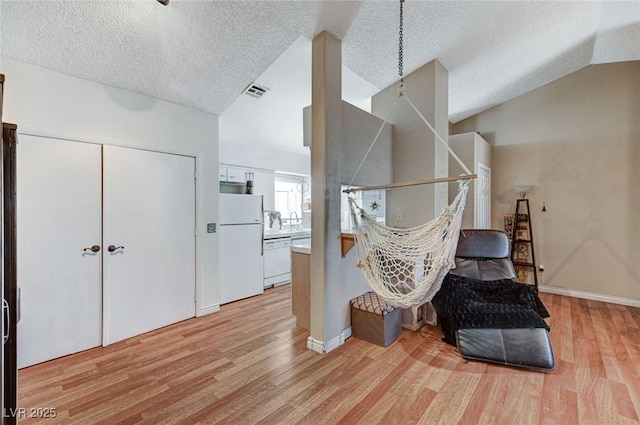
[483, 255]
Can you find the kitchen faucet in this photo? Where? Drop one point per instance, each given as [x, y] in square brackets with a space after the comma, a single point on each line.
[297, 219]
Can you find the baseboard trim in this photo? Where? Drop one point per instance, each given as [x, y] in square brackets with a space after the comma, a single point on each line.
[346, 333]
[590, 296]
[325, 347]
[209, 309]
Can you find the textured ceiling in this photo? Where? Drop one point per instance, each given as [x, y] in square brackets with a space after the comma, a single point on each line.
[202, 54]
[276, 118]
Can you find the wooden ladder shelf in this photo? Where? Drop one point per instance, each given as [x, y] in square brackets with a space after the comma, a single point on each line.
[522, 241]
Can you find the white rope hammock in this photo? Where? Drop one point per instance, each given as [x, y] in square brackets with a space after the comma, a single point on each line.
[406, 267]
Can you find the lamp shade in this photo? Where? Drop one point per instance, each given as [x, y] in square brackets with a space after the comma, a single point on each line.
[522, 189]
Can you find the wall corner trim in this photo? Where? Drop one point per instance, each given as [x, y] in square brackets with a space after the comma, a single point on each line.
[325, 347]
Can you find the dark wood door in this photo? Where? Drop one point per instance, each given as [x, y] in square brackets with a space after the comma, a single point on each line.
[8, 354]
[10, 290]
[2, 320]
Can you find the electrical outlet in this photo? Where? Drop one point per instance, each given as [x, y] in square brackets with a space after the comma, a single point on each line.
[541, 268]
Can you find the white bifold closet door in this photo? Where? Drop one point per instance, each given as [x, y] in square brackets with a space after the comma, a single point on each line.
[73, 197]
[59, 210]
[149, 218]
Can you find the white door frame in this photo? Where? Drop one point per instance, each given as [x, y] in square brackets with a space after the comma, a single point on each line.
[482, 170]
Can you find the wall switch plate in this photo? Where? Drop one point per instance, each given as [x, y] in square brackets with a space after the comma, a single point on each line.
[211, 227]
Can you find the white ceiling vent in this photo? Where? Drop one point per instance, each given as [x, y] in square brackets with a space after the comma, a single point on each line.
[255, 90]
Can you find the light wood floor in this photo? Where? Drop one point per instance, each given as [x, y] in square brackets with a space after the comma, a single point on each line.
[248, 364]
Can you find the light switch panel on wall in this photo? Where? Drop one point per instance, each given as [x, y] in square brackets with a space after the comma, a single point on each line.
[211, 227]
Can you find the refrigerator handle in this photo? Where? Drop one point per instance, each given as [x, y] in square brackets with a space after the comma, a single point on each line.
[262, 240]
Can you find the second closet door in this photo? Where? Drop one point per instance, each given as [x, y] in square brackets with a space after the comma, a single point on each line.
[149, 223]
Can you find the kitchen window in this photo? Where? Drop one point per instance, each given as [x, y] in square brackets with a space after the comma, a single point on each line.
[291, 192]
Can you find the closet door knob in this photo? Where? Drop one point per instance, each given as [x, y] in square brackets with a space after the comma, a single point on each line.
[94, 248]
[112, 248]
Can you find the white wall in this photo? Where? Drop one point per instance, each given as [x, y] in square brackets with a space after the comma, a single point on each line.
[48, 103]
[266, 158]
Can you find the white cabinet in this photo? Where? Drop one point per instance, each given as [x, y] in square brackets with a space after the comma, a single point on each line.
[222, 174]
[228, 174]
[264, 184]
[236, 175]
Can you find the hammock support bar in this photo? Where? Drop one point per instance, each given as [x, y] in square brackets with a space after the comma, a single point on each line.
[414, 183]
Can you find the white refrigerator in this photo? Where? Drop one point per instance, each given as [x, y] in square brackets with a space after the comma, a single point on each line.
[241, 228]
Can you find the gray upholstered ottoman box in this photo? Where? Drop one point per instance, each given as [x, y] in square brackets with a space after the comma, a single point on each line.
[374, 320]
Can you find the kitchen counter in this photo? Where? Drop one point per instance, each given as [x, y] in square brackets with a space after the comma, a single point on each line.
[301, 247]
[284, 233]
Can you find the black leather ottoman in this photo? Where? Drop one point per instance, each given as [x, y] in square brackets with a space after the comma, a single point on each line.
[522, 347]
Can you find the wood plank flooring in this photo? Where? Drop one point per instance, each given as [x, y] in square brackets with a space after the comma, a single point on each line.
[249, 364]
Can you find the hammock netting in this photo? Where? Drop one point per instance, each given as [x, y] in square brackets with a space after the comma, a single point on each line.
[406, 267]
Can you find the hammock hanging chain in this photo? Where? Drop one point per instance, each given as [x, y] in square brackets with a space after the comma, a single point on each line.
[400, 43]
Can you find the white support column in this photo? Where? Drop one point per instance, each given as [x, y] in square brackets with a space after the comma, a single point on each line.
[326, 124]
